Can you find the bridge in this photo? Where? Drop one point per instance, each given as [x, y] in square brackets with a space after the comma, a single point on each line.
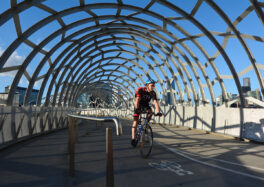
[89, 57]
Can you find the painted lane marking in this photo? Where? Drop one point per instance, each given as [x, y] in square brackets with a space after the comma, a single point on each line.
[208, 164]
[165, 165]
[224, 161]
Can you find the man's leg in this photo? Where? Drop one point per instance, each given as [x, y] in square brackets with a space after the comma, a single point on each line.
[134, 126]
[133, 134]
[149, 115]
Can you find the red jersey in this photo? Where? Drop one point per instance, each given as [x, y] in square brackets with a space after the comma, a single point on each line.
[145, 96]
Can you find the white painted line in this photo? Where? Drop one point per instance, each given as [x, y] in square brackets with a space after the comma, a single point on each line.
[166, 165]
[224, 161]
[208, 164]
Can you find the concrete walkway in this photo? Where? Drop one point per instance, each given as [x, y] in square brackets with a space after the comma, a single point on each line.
[180, 157]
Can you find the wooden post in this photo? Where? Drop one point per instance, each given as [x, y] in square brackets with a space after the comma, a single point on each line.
[109, 159]
[71, 145]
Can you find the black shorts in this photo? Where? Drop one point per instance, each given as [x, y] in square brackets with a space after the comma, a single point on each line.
[142, 108]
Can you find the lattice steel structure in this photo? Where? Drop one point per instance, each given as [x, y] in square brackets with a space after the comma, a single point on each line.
[71, 47]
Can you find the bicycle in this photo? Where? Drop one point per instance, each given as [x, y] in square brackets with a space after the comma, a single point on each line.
[144, 135]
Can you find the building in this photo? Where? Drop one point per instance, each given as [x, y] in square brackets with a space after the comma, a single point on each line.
[21, 91]
[119, 97]
[169, 94]
[246, 85]
[220, 98]
[98, 95]
[253, 99]
[3, 99]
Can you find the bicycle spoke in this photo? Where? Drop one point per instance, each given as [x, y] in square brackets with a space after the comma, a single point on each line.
[146, 142]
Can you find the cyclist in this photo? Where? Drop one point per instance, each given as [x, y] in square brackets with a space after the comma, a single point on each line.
[143, 97]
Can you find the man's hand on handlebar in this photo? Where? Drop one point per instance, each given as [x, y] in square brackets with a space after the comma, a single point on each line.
[149, 113]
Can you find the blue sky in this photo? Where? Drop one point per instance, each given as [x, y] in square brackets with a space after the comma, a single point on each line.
[251, 25]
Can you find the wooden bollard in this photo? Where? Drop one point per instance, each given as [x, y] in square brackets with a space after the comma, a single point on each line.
[109, 159]
[71, 146]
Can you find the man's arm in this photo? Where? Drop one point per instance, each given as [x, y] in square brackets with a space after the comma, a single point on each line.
[137, 102]
[157, 105]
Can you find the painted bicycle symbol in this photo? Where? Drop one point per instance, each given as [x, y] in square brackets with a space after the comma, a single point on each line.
[166, 165]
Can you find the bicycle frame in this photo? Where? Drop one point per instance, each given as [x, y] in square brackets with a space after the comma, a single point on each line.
[143, 125]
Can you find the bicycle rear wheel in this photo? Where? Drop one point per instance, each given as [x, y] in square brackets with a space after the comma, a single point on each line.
[146, 142]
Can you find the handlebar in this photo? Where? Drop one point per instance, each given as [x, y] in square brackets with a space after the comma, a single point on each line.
[158, 114]
[153, 113]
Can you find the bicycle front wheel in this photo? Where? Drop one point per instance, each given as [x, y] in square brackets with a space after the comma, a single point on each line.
[146, 142]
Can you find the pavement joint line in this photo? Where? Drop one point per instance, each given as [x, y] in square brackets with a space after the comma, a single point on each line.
[215, 159]
[212, 133]
[175, 151]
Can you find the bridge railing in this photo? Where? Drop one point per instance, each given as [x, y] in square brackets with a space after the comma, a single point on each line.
[126, 113]
[220, 120]
[20, 123]
[73, 136]
[117, 122]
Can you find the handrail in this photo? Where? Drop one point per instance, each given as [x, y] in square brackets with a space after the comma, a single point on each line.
[73, 136]
[117, 122]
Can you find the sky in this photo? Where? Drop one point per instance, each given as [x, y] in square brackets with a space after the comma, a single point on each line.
[250, 26]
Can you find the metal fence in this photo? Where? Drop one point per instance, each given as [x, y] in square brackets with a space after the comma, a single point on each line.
[19, 123]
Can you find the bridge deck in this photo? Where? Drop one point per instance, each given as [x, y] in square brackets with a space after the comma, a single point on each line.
[180, 157]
